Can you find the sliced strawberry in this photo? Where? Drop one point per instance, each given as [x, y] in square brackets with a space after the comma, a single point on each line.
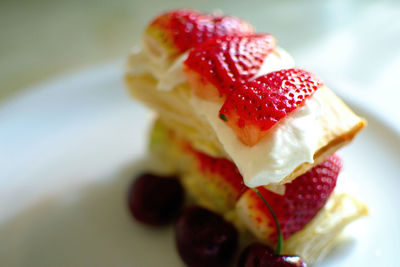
[180, 30]
[214, 66]
[302, 200]
[255, 106]
[218, 180]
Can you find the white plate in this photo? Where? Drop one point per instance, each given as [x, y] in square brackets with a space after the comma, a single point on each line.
[68, 150]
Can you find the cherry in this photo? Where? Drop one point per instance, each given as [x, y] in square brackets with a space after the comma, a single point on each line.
[259, 255]
[204, 238]
[155, 200]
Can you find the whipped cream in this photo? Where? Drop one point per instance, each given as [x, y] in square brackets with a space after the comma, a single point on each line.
[278, 59]
[168, 74]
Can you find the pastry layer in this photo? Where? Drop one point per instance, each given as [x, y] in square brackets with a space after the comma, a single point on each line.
[289, 150]
[209, 189]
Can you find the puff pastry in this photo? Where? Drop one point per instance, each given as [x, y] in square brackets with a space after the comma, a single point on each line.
[217, 164]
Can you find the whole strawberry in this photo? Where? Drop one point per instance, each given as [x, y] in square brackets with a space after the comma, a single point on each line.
[302, 200]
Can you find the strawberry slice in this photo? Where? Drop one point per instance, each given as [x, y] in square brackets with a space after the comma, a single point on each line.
[302, 200]
[180, 30]
[217, 181]
[255, 106]
[213, 67]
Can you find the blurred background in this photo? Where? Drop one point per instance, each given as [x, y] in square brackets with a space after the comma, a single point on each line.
[350, 40]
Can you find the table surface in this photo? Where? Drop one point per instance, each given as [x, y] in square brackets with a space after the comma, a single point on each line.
[353, 45]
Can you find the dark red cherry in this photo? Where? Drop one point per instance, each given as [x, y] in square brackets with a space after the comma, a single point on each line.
[155, 200]
[259, 255]
[204, 238]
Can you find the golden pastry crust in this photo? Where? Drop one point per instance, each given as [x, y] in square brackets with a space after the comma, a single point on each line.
[176, 113]
[322, 153]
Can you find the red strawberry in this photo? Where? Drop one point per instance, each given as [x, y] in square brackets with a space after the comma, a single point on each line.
[255, 106]
[180, 30]
[218, 180]
[302, 200]
[214, 66]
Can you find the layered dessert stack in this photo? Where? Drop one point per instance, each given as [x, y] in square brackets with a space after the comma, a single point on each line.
[236, 117]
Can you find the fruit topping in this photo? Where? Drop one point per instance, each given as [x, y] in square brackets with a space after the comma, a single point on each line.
[259, 255]
[302, 200]
[214, 66]
[182, 29]
[255, 106]
[204, 238]
[155, 200]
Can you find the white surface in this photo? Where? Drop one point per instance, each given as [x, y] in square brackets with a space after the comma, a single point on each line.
[68, 153]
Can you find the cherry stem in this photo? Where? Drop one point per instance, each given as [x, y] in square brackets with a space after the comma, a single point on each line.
[278, 228]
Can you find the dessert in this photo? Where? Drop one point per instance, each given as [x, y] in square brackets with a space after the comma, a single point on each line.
[242, 125]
